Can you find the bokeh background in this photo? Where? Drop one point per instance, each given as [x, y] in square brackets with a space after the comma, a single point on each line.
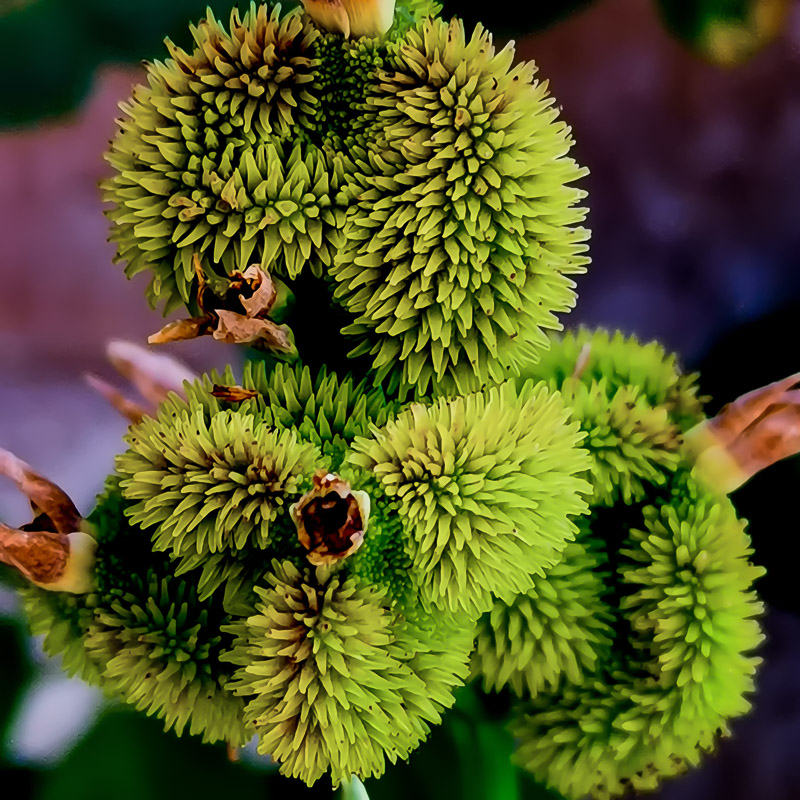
[687, 113]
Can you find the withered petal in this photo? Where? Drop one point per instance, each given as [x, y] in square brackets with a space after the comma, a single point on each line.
[154, 375]
[44, 495]
[181, 330]
[41, 556]
[264, 294]
[325, 545]
[59, 562]
[234, 328]
[736, 416]
[132, 411]
[232, 394]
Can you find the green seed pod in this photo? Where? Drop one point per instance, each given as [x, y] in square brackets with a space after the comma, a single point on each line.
[212, 158]
[681, 664]
[559, 629]
[485, 486]
[329, 681]
[422, 173]
[458, 250]
[615, 646]
[212, 487]
[62, 619]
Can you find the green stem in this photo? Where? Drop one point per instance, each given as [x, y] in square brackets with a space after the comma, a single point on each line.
[354, 790]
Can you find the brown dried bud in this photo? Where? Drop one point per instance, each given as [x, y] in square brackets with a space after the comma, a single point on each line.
[330, 519]
[182, 330]
[51, 551]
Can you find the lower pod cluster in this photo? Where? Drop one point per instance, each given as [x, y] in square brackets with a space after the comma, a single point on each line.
[301, 559]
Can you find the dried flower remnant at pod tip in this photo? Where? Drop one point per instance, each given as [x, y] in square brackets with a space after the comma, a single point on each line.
[232, 394]
[51, 551]
[154, 375]
[239, 316]
[352, 17]
[747, 436]
[331, 519]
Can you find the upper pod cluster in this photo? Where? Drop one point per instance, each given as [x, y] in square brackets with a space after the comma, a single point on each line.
[421, 174]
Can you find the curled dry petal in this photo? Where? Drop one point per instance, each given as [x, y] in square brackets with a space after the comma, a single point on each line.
[263, 291]
[331, 519]
[747, 435]
[48, 500]
[238, 317]
[154, 375]
[59, 562]
[51, 551]
[132, 411]
[234, 328]
[181, 330]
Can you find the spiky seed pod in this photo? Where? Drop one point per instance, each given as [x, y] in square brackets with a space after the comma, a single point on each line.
[142, 635]
[632, 444]
[437, 649]
[324, 409]
[458, 250]
[161, 649]
[211, 158]
[633, 403]
[157, 646]
[682, 662]
[328, 687]
[62, 619]
[486, 485]
[558, 629]
[619, 360]
[210, 486]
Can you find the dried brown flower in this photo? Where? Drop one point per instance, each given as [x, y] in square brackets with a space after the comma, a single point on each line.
[232, 394]
[331, 519]
[239, 316]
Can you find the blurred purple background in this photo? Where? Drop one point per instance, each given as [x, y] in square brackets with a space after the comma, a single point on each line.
[695, 213]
